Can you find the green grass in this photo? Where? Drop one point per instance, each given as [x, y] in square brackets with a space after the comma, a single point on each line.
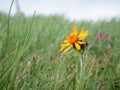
[30, 56]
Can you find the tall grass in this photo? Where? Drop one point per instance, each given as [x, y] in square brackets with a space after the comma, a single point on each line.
[35, 62]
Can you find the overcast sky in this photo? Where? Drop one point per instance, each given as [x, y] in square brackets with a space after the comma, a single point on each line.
[72, 9]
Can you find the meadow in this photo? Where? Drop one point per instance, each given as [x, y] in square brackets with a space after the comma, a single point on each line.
[30, 56]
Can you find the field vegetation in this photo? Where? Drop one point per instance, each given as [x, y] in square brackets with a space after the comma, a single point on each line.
[30, 56]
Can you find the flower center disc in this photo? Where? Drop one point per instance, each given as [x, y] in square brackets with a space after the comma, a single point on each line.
[72, 38]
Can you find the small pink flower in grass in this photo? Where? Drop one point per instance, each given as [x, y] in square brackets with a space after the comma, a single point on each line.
[101, 36]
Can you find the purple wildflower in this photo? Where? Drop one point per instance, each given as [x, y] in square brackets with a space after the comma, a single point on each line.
[101, 36]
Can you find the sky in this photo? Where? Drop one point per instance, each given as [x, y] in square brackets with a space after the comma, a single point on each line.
[71, 9]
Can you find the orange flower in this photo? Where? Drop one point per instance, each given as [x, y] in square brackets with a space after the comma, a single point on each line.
[74, 40]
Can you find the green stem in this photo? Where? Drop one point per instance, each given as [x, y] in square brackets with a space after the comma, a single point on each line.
[8, 30]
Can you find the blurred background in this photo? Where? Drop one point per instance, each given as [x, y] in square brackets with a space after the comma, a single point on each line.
[71, 9]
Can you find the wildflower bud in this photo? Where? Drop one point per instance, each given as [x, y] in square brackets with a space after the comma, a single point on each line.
[29, 66]
[109, 53]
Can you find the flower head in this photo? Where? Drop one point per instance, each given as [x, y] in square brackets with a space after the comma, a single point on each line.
[100, 36]
[75, 40]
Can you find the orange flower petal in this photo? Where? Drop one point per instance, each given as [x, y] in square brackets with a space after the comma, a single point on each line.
[63, 46]
[81, 42]
[82, 31]
[83, 35]
[75, 30]
[77, 46]
[67, 49]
